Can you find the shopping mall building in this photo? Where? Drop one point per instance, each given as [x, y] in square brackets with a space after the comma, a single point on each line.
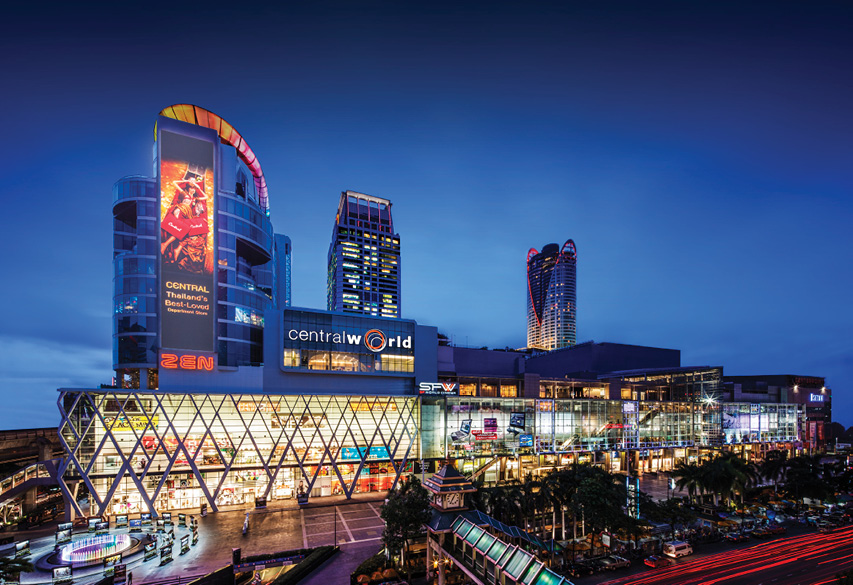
[224, 394]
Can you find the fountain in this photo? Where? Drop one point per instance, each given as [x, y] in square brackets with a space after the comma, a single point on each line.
[94, 548]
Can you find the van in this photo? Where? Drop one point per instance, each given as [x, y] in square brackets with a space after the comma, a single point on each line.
[677, 549]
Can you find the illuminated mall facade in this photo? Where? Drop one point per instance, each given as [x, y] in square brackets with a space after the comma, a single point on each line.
[224, 394]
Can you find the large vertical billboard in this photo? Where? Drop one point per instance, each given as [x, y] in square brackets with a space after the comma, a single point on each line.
[187, 242]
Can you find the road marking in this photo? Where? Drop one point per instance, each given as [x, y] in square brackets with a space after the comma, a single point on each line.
[345, 525]
[304, 532]
[374, 510]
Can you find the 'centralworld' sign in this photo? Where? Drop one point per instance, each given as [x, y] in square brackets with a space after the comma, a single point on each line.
[374, 340]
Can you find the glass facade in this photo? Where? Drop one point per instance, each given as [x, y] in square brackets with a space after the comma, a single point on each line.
[142, 451]
[552, 297]
[135, 249]
[327, 342]
[364, 258]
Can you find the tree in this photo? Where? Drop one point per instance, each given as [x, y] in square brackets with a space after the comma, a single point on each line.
[405, 512]
[688, 476]
[775, 467]
[670, 512]
[10, 567]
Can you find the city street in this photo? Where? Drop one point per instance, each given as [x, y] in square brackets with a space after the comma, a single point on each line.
[807, 559]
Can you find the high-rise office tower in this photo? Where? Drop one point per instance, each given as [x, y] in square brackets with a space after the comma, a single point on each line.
[552, 296]
[364, 258]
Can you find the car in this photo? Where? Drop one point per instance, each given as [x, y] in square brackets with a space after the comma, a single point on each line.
[613, 562]
[760, 533]
[582, 568]
[775, 529]
[677, 548]
[656, 561]
[737, 537]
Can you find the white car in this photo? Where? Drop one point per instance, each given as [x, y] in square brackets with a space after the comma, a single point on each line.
[677, 549]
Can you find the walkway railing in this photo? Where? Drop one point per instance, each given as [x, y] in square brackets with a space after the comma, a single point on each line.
[43, 470]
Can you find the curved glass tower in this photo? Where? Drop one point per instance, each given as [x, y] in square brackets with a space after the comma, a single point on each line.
[194, 220]
[552, 296]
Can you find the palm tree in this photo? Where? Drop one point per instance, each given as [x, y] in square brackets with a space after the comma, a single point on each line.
[688, 476]
[775, 467]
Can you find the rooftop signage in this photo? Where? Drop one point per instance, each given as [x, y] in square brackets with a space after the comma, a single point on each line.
[438, 388]
[375, 340]
[817, 398]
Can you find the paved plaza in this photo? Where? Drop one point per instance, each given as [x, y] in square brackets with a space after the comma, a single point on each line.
[354, 525]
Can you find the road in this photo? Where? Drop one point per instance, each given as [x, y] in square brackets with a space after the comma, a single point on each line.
[808, 559]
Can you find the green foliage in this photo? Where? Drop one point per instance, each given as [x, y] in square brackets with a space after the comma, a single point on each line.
[670, 512]
[9, 567]
[404, 513]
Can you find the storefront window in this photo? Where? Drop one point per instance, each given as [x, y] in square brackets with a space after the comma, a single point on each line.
[488, 390]
[291, 358]
[509, 391]
[467, 389]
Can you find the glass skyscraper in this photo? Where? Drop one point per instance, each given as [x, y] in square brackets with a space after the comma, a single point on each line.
[552, 297]
[364, 258]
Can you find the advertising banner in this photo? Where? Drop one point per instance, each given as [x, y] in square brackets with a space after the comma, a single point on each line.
[187, 242]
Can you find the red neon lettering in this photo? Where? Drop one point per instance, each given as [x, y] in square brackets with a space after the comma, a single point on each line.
[169, 361]
[188, 362]
[205, 363]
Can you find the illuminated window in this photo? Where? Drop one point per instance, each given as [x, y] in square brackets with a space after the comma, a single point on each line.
[509, 391]
[467, 389]
[488, 390]
[291, 358]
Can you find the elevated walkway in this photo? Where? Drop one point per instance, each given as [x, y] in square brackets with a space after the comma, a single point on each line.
[43, 473]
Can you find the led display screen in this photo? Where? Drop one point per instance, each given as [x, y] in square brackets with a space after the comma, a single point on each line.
[187, 242]
[516, 419]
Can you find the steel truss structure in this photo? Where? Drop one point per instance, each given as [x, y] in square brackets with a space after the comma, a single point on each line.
[135, 441]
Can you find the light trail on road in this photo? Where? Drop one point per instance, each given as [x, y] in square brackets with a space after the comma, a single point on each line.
[786, 559]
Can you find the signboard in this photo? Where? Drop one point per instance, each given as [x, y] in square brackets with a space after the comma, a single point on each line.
[525, 440]
[121, 521]
[124, 424]
[63, 536]
[102, 528]
[438, 388]
[187, 242]
[185, 544]
[633, 504]
[167, 518]
[120, 574]
[62, 575]
[136, 525]
[22, 548]
[355, 453]
[145, 518]
[182, 519]
[266, 564]
[817, 397]
[605, 540]
[517, 420]
[150, 551]
[93, 524]
[110, 563]
[166, 554]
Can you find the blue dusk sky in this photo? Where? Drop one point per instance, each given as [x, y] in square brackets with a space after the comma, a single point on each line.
[700, 154]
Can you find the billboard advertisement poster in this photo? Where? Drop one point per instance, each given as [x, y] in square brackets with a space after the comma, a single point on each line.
[187, 243]
[62, 574]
